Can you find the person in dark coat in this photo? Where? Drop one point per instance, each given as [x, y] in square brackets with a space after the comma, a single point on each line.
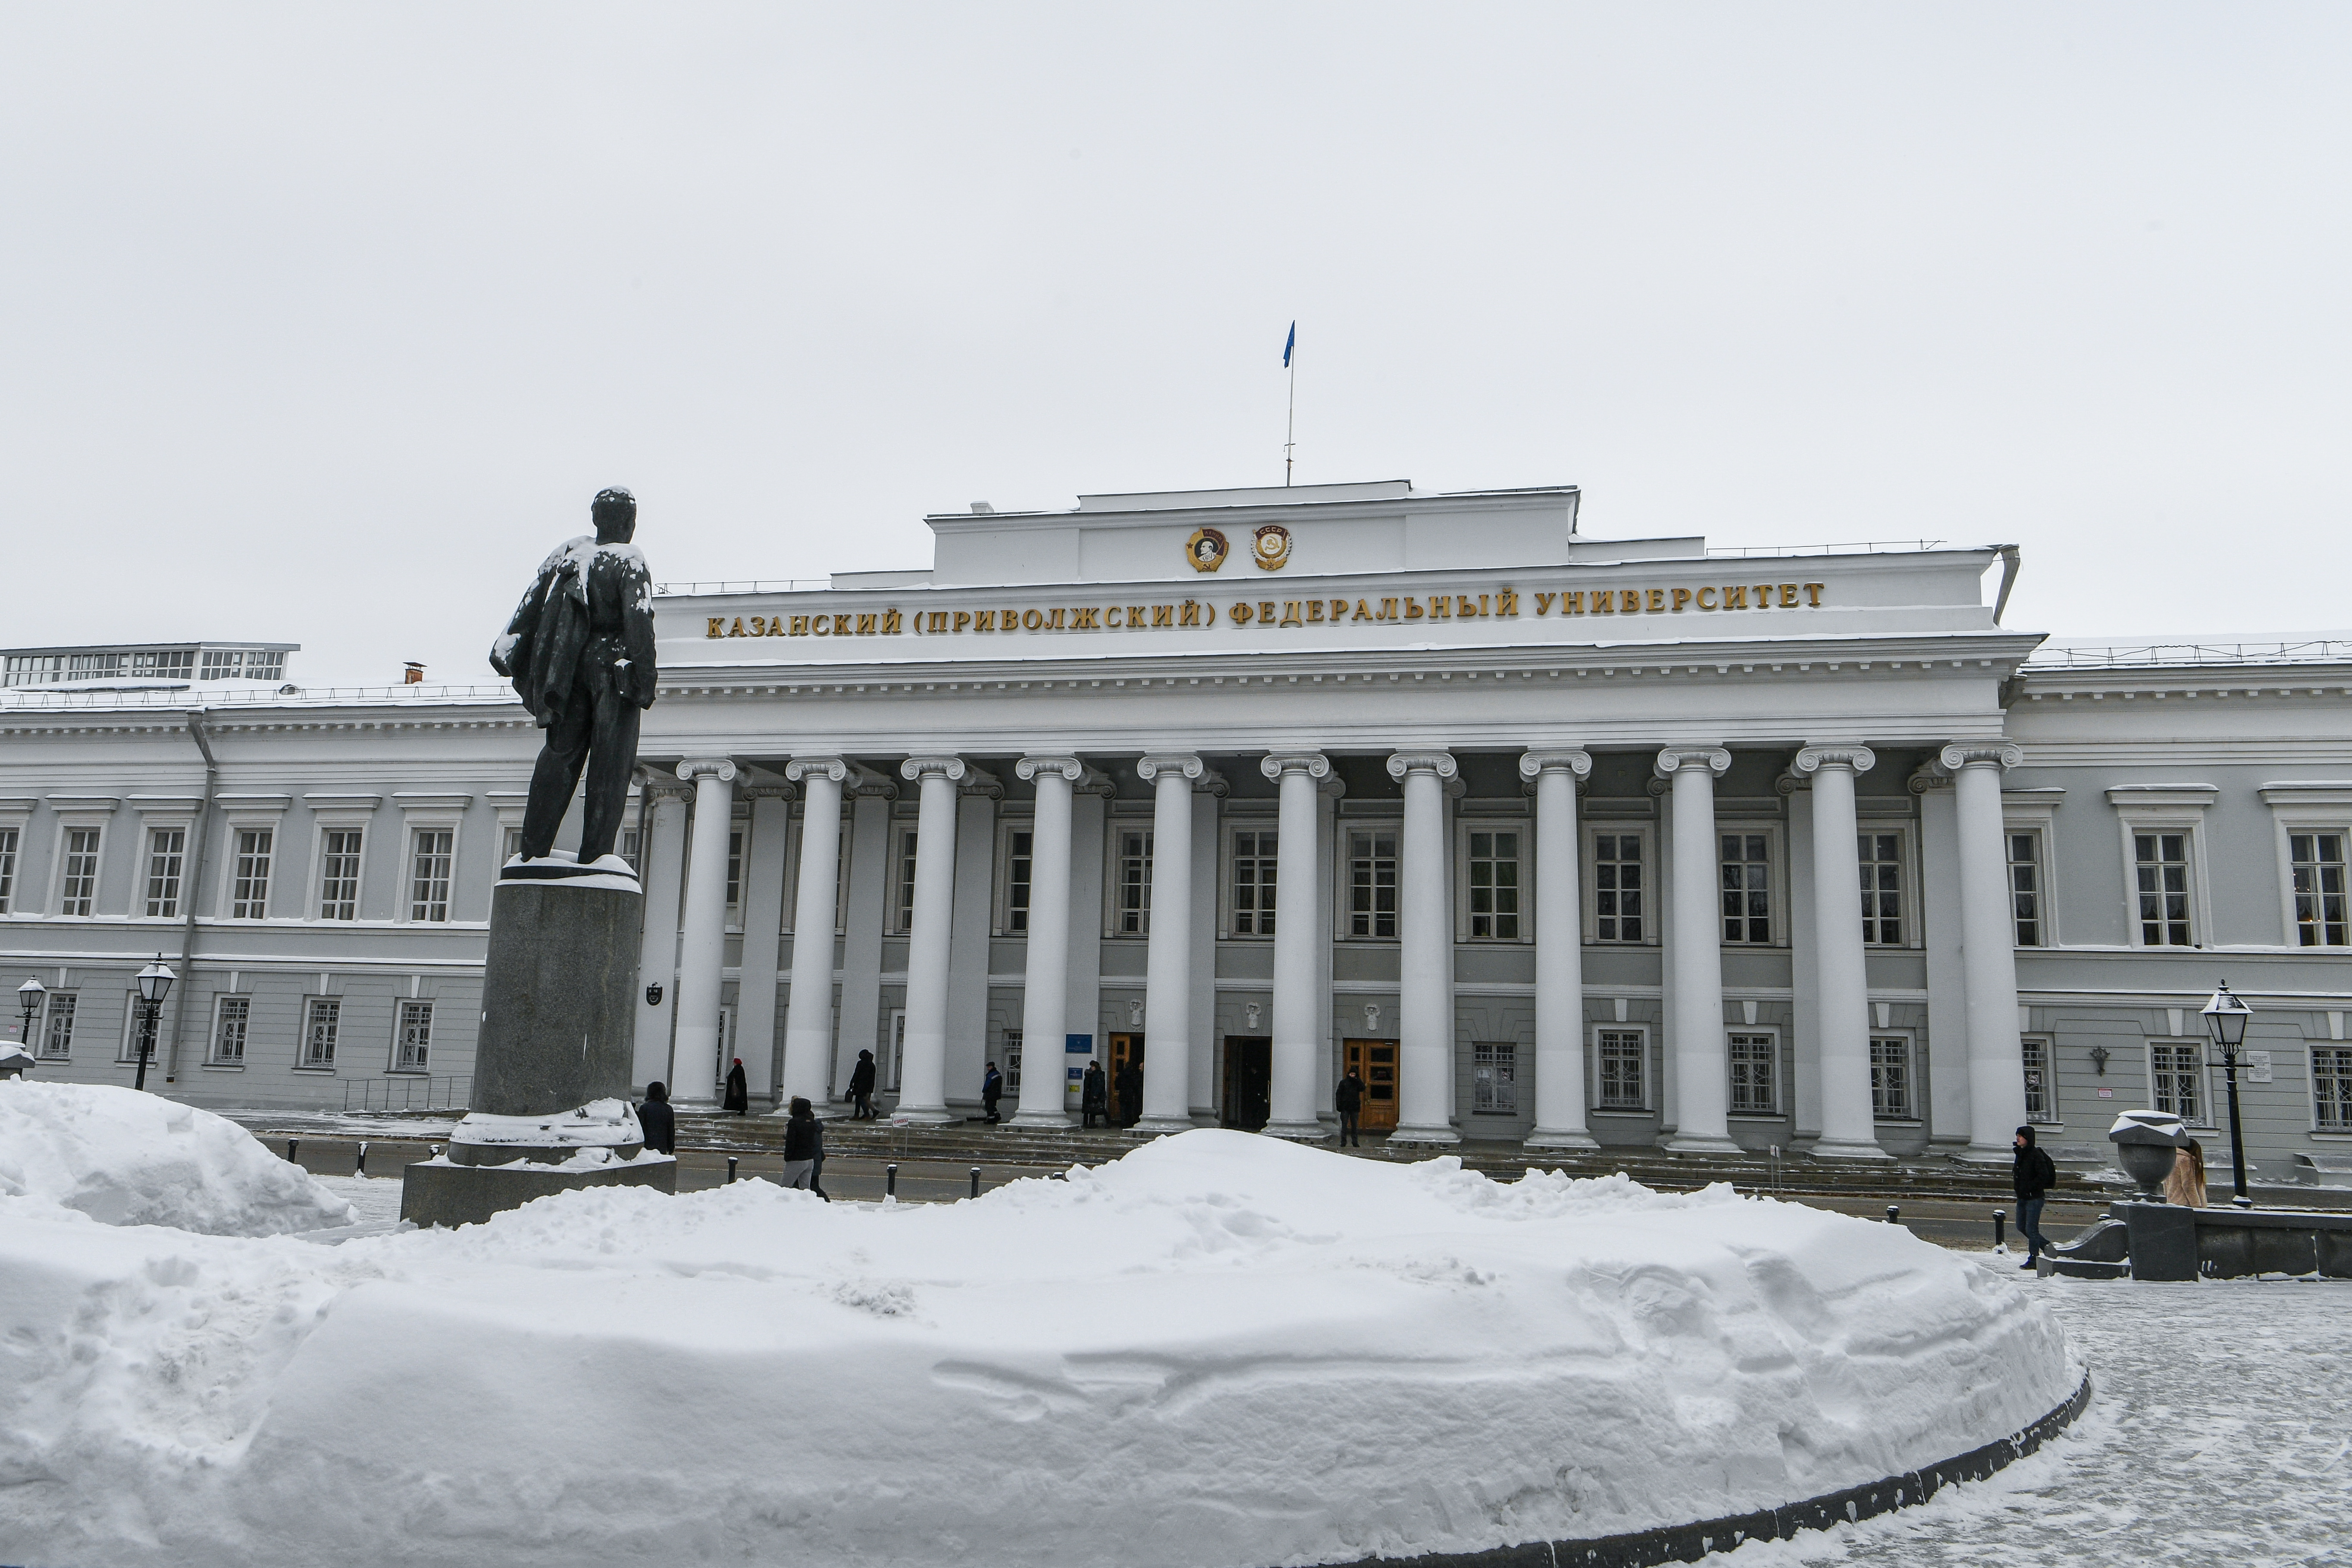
[1349, 1099]
[2033, 1177]
[817, 1165]
[1130, 1094]
[861, 1088]
[1093, 1094]
[739, 1095]
[660, 1126]
[992, 1089]
[801, 1136]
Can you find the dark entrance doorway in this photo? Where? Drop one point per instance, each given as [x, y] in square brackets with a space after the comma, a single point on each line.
[1124, 1050]
[1375, 1061]
[1249, 1081]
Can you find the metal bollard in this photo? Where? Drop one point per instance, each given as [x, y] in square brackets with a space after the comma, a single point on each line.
[292, 1144]
[730, 1168]
[890, 1180]
[1999, 1231]
[434, 1151]
[975, 1181]
[1891, 1212]
[359, 1166]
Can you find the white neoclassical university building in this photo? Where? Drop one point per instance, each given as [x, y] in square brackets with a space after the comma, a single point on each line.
[1550, 839]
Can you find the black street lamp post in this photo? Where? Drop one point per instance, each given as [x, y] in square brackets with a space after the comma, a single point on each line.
[29, 997]
[2225, 1019]
[154, 984]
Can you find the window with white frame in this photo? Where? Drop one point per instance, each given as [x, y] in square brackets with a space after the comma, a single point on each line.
[57, 1023]
[628, 845]
[77, 887]
[1746, 868]
[2160, 878]
[1372, 882]
[2025, 885]
[412, 1045]
[167, 854]
[1754, 1076]
[134, 1027]
[734, 876]
[2176, 1079]
[903, 906]
[511, 846]
[1491, 904]
[8, 841]
[1494, 1077]
[2317, 862]
[321, 1018]
[1621, 1059]
[249, 876]
[1881, 856]
[231, 1017]
[1620, 887]
[432, 850]
[1257, 860]
[1020, 855]
[1890, 1078]
[2041, 1099]
[2331, 1088]
[1011, 1057]
[1131, 908]
[339, 873]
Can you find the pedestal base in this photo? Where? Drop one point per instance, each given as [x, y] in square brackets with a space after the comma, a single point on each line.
[1692, 1143]
[1049, 1121]
[1428, 1137]
[435, 1192]
[1845, 1149]
[1296, 1131]
[1975, 1154]
[1576, 1142]
[1162, 1126]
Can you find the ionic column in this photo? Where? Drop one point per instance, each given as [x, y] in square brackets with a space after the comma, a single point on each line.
[1842, 1021]
[764, 928]
[1424, 954]
[1168, 950]
[702, 946]
[808, 1015]
[663, 859]
[923, 1083]
[1988, 950]
[1299, 1040]
[1560, 952]
[1046, 999]
[1702, 1073]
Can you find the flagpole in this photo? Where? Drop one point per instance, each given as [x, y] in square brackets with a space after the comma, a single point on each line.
[1290, 422]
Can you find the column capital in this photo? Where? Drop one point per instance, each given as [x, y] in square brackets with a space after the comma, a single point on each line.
[1314, 764]
[1576, 763]
[833, 768]
[1926, 778]
[951, 769]
[658, 789]
[979, 783]
[1333, 785]
[1854, 758]
[1095, 781]
[1149, 766]
[868, 785]
[768, 790]
[1028, 768]
[1441, 763]
[2002, 754]
[693, 768]
[1675, 759]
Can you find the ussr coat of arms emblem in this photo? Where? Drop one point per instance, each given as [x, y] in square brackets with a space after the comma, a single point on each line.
[1206, 550]
[1271, 547]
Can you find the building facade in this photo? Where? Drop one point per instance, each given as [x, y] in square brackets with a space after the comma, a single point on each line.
[1549, 839]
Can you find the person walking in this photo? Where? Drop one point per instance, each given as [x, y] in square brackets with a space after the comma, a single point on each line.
[1093, 1094]
[1349, 1099]
[992, 1089]
[1130, 1094]
[655, 1117]
[817, 1165]
[2186, 1185]
[861, 1088]
[2032, 1177]
[801, 1135]
[739, 1094]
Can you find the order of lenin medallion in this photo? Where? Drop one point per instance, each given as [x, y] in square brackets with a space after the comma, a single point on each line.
[1206, 550]
[1271, 547]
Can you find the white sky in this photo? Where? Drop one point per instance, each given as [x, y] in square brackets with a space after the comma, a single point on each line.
[323, 324]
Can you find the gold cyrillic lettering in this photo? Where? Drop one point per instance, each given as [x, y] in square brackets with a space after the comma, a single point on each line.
[1363, 610]
[1163, 615]
[1315, 611]
[1111, 617]
[1266, 612]
[1657, 598]
[1241, 613]
[1413, 609]
[1681, 598]
[891, 623]
[1629, 602]
[1788, 595]
[1814, 592]
[1506, 602]
[718, 626]
[800, 625]
[1083, 620]
[1031, 620]
[1388, 611]
[1604, 600]
[1735, 598]
[1701, 600]
[841, 625]
[1137, 617]
[824, 627]
[1010, 621]
[1573, 604]
[963, 619]
[865, 626]
[1543, 605]
[1763, 595]
[1441, 606]
[758, 626]
[1053, 620]
[938, 620]
[1192, 614]
[984, 620]
[737, 629]
[1290, 614]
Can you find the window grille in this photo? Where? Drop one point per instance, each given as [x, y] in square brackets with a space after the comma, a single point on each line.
[1494, 1077]
[428, 888]
[1755, 1083]
[1890, 1078]
[339, 874]
[166, 854]
[229, 1025]
[2038, 1099]
[78, 890]
[57, 1023]
[2176, 1080]
[1747, 888]
[1020, 848]
[415, 1046]
[1011, 1064]
[321, 1019]
[2331, 1088]
[249, 896]
[1134, 913]
[1623, 1070]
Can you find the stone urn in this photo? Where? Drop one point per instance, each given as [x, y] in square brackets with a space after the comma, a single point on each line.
[2144, 1143]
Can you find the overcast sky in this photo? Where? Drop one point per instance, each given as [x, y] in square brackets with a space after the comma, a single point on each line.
[323, 324]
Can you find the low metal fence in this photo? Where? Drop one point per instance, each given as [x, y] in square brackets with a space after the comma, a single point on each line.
[408, 1093]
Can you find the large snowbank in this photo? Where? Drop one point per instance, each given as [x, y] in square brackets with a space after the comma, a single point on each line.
[126, 1158]
[1221, 1351]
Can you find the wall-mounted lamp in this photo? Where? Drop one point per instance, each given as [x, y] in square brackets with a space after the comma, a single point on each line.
[2099, 1059]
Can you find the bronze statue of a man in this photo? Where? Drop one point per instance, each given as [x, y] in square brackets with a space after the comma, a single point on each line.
[580, 651]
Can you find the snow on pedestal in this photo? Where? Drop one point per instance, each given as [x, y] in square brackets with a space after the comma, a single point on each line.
[1222, 1352]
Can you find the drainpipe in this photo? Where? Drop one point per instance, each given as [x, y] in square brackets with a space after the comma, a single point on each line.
[194, 891]
[2008, 564]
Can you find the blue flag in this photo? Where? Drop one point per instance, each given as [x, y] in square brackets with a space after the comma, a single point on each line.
[1289, 343]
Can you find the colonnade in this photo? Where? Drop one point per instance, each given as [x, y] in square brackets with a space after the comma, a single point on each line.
[1300, 1027]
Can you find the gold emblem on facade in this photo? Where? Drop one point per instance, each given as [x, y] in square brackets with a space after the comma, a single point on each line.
[1271, 547]
[1206, 550]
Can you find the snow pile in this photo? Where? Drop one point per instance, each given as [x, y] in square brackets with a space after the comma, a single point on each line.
[126, 1158]
[1222, 1352]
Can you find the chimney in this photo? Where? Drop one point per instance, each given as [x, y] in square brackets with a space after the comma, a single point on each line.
[414, 675]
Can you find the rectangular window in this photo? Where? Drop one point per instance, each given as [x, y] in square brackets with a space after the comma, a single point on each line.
[1494, 866]
[2320, 919]
[428, 876]
[1372, 882]
[2175, 1077]
[1747, 888]
[1890, 1078]
[735, 869]
[2038, 1099]
[320, 1020]
[2331, 1088]
[1133, 917]
[7, 870]
[1020, 846]
[134, 1028]
[166, 854]
[78, 890]
[1755, 1083]
[57, 1025]
[1494, 1077]
[1257, 856]
[908, 839]
[2163, 877]
[513, 841]
[339, 874]
[1882, 889]
[414, 1046]
[1011, 1060]
[2025, 887]
[1618, 888]
[1625, 1060]
[232, 1017]
[626, 847]
[249, 894]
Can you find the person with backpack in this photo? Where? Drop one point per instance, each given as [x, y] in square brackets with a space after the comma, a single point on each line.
[2032, 1177]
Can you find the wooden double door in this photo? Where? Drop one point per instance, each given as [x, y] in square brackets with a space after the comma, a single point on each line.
[1126, 1050]
[1249, 1081]
[1375, 1061]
